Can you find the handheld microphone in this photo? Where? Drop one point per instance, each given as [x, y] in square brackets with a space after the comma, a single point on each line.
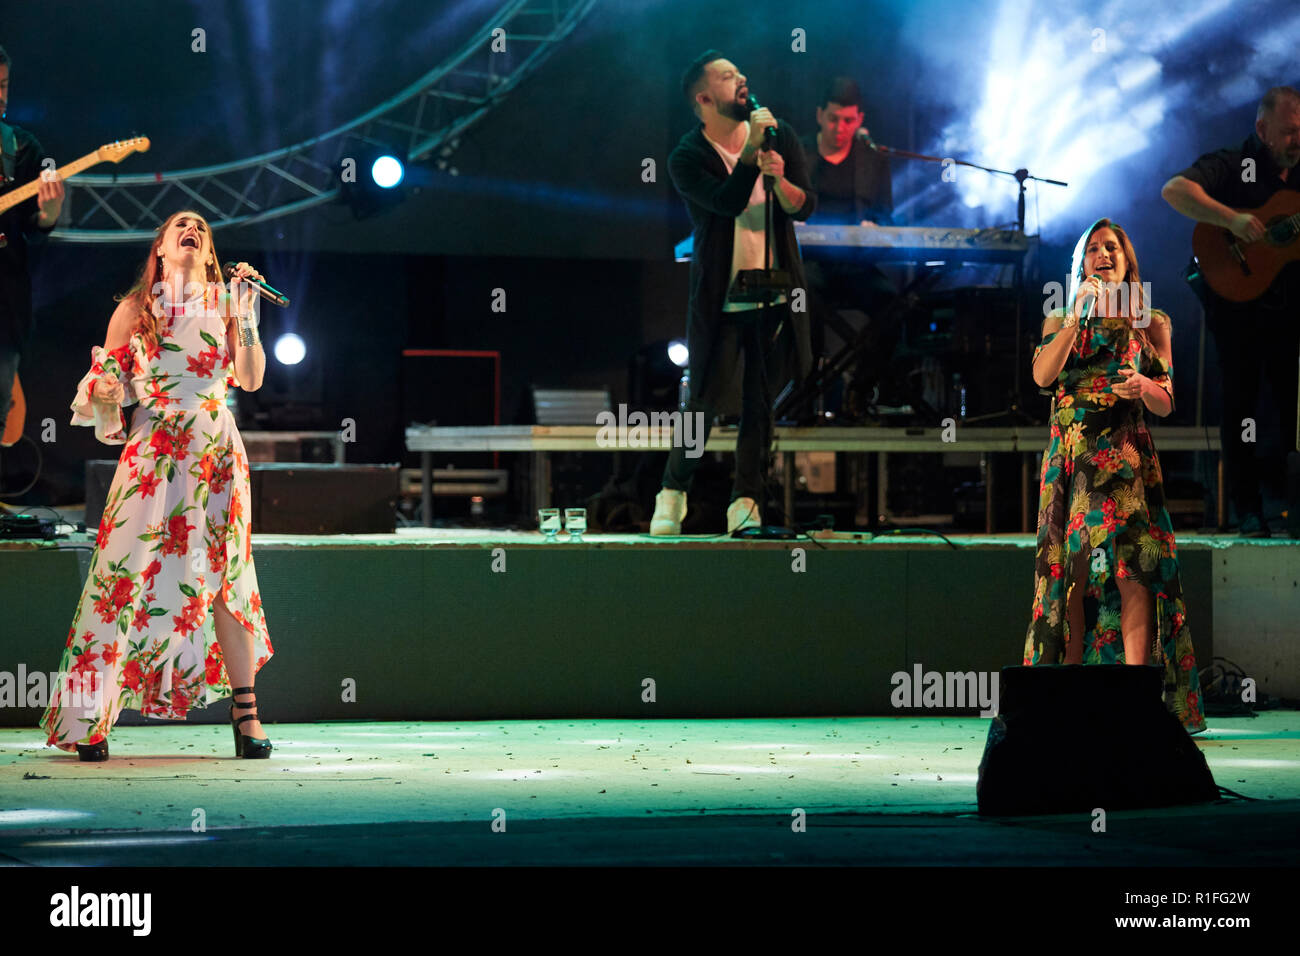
[769, 133]
[274, 296]
[769, 139]
[1088, 302]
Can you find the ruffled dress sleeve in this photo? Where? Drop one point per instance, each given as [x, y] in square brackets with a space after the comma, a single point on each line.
[108, 421]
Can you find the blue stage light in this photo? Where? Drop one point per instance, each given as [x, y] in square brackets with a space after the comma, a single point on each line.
[387, 171]
[678, 354]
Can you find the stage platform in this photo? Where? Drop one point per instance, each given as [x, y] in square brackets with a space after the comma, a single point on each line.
[539, 441]
[431, 624]
[876, 792]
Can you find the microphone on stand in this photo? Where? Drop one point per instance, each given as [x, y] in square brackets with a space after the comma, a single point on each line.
[265, 291]
[769, 138]
[865, 136]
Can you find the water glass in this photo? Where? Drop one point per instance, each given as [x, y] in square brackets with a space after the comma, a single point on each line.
[575, 522]
[548, 521]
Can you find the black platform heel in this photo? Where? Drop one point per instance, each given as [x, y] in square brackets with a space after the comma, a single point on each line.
[93, 753]
[251, 748]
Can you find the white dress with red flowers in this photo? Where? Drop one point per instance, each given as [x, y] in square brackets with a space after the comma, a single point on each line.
[174, 536]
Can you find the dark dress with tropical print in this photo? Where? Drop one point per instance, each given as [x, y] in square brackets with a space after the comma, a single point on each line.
[1101, 494]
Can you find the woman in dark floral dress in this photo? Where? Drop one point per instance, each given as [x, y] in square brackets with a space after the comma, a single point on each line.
[170, 618]
[1106, 584]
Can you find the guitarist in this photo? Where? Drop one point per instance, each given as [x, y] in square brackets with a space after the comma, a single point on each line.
[22, 156]
[1262, 335]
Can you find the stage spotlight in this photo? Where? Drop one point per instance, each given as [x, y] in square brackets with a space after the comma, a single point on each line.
[290, 349]
[387, 171]
[655, 374]
[379, 181]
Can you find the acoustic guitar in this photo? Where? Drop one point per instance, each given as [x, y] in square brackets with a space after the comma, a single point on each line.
[1240, 271]
[13, 429]
[108, 153]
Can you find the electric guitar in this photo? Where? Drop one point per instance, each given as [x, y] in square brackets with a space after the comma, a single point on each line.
[108, 153]
[1241, 271]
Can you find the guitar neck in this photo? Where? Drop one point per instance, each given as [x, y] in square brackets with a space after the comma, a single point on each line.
[28, 190]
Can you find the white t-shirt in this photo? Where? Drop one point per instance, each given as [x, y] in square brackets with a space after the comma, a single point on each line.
[747, 246]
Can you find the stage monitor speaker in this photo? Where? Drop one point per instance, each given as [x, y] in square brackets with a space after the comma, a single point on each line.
[295, 498]
[1072, 738]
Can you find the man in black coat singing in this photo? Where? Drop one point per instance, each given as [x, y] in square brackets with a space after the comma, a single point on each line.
[718, 168]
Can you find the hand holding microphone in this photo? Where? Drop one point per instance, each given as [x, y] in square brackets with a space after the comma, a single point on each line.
[237, 272]
[246, 283]
[762, 127]
[762, 135]
[1086, 298]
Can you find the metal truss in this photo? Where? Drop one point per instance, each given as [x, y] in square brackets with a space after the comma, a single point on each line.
[429, 113]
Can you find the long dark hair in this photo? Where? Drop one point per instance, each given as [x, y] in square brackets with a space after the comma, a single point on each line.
[1137, 304]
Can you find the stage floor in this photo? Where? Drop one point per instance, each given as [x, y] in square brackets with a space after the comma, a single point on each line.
[876, 791]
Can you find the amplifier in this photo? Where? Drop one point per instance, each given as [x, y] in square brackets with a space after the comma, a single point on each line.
[295, 497]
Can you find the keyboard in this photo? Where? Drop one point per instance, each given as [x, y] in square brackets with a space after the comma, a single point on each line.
[916, 243]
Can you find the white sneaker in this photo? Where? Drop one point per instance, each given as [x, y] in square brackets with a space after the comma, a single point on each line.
[742, 513]
[670, 509]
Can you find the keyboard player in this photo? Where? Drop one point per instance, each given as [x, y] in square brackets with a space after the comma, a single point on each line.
[853, 178]
[853, 187]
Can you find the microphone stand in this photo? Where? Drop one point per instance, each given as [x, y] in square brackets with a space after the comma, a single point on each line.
[1021, 176]
[762, 285]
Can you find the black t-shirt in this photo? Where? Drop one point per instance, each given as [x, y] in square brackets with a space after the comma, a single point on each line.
[858, 188]
[836, 200]
[17, 224]
[1222, 175]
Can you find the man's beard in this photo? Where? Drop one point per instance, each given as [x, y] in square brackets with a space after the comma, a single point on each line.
[736, 110]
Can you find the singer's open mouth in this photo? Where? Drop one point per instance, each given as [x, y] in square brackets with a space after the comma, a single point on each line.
[190, 242]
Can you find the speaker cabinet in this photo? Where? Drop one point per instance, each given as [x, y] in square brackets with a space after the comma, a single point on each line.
[295, 497]
[1072, 738]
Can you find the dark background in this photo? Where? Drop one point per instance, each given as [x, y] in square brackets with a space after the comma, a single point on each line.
[549, 203]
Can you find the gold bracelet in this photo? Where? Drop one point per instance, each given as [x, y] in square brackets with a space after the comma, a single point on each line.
[1070, 321]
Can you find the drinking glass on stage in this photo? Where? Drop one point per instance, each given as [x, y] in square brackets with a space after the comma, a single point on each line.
[575, 522]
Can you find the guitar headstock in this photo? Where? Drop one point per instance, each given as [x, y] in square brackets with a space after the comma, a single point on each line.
[120, 150]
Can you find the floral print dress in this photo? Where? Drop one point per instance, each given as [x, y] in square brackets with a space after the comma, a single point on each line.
[174, 537]
[1101, 494]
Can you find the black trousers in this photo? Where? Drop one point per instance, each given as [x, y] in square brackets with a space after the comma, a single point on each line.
[748, 334]
[1252, 344]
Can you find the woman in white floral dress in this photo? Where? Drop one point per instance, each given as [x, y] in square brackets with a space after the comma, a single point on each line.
[170, 618]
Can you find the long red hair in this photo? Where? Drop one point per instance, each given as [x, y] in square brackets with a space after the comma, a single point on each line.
[142, 296]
